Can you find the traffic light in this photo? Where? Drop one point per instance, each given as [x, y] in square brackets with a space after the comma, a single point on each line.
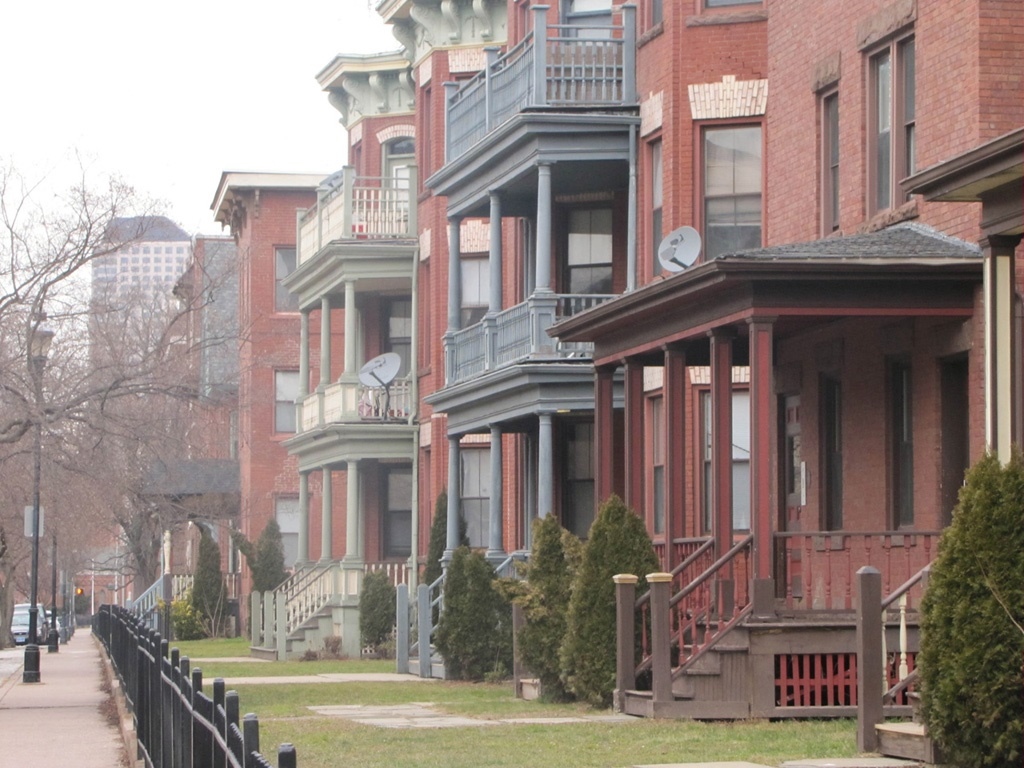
[79, 591]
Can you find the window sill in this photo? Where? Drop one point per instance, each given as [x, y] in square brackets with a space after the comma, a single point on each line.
[887, 218]
[731, 17]
[654, 32]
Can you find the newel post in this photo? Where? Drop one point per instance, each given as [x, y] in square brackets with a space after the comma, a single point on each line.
[869, 657]
[661, 637]
[625, 609]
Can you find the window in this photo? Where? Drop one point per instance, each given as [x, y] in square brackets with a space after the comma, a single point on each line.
[399, 154]
[740, 460]
[830, 162]
[589, 268]
[657, 188]
[399, 331]
[286, 390]
[657, 462]
[891, 118]
[578, 478]
[476, 278]
[832, 454]
[901, 432]
[476, 494]
[732, 189]
[398, 513]
[589, 13]
[286, 511]
[284, 265]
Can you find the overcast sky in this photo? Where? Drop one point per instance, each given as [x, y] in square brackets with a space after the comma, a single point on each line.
[169, 94]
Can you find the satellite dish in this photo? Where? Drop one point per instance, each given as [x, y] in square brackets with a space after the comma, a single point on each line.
[679, 249]
[381, 370]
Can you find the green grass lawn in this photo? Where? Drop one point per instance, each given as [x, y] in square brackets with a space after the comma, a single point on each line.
[238, 647]
[323, 741]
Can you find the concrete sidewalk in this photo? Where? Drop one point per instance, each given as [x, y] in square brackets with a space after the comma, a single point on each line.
[57, 721]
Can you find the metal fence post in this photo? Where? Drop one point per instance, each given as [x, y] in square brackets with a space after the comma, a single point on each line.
[219, 692]
[286, 757]
[251, 739]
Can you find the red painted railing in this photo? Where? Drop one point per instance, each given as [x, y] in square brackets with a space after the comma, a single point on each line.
[819, 567]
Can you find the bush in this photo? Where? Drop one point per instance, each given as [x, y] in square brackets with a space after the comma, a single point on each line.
[972, 638]
[544, 598]
[439, 539]
[208, 596]
[474, 634]
[618, 544]
[376, 610]
[186, 622]
[266, 558]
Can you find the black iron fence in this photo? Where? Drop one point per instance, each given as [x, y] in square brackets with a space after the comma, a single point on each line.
[176, 723]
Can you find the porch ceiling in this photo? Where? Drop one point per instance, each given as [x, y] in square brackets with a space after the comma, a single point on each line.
[911, 272]
[338, 443]
[589, 152]
[379, 266]
[516, 393]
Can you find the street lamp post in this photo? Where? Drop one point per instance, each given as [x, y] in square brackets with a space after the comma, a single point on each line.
[52, 641]
[39, 348]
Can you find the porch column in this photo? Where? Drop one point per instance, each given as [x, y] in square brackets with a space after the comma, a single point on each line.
[326, 527]
[454, 275]
[545, 466]
[300, 400]
[631, 213]
[303, 354]
[721, 438]
[604, 433]
[302, 556]
[353, 548]
[999, 344]
[495, 547]
[454, 494]
[763, 427]
[674, 430]
[494, 255]
[543, 255]
[634, 426]
[325, 342]
[351, 329]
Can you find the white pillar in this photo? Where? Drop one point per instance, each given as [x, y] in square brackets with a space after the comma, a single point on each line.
[454, 494]
[494, 303]
[495, 549]
[545, 466]
[325, 342]
[352, 550]
[302, 557]
[543, 270]
[326, 522]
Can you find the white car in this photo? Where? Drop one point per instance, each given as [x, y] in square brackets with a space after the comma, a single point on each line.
[19, 623]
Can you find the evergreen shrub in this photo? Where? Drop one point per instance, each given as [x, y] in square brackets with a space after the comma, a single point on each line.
[544, 598]
[439, 539]
[972, 640]
[376, 611]
[266, 558]
[618, 543]
[474, 634]
[185, 620]
[208, 595]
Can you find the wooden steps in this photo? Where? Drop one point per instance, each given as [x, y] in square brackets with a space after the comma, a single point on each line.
[907, 740]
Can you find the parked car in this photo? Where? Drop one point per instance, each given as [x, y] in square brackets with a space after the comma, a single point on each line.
[19, 623]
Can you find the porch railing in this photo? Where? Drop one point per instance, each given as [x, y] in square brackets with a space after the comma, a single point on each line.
[692, 620]
[819, 567]
[888, 670]
[358, 207]
[351, 402]
[517, 334]
[558, 66]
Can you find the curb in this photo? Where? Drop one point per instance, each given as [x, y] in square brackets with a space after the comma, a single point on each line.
[125, 721]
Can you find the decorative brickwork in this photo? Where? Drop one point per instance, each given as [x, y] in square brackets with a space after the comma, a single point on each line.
[729, 98]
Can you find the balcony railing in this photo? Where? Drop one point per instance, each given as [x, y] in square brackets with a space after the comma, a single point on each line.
[352, 402]
[516, 334]
[557, 65]
[358, 208]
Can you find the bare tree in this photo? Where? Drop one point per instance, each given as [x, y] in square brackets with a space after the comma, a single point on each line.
[118, 384]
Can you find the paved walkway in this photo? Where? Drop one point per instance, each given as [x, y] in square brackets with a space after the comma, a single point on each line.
[58, 720]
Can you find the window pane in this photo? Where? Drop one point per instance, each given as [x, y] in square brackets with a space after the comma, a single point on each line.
[398, 517]
[287, 514]
[286, 390]
[732, 186]
[909, 97]
[284, 265]
[883, 130]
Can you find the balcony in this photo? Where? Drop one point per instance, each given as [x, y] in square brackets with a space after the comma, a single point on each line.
[557, 66]
[358, 208]
[516, 335]
[350, 402]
